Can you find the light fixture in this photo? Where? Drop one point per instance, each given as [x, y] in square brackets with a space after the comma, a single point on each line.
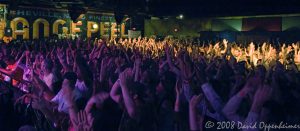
[95, 26]
[181, 16]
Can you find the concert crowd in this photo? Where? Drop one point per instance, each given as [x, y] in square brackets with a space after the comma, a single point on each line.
[146, 84]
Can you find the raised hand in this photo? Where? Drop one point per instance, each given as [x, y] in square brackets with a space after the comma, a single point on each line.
[225, 42]
[251, 49]
[295, 46]
[187, 71]
[262, 95]
[84, 121]
[125, 77]
[195, 100]
[263, 47]
[195, 119]
[283, 47]
[217, 46]
[104, 67]
[250, 86]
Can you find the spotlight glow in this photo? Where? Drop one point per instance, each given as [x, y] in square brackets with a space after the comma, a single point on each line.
[95, 26]
[181, 16]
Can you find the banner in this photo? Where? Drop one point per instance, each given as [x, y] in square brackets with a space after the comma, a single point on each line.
[35, 23]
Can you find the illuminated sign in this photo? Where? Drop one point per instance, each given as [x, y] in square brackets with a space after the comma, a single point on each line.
[29, 23]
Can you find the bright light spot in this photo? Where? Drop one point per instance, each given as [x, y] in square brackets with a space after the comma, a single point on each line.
[95, 26]
[181, 16]
[175, 29]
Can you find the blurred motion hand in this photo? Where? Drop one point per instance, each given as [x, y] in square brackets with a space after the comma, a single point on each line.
[84, 121]
[126, 77]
